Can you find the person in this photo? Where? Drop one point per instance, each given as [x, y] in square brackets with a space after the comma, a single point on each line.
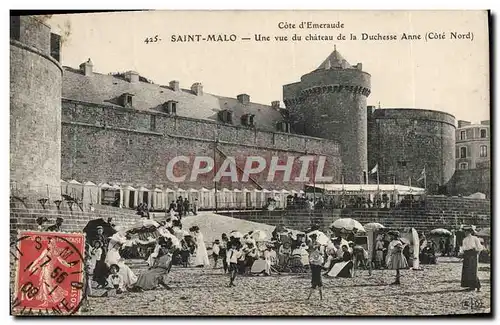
[233, 255]
[187, 206]
[447, 247]
[40, 221]
[346, 272]
[57, 226]
[172, 207]
[113, 257]
[441, 246]
[185, 253]
[395, 258]
[201, 258]
[379, 252]
[115, 282]
[270, 258]
[316, 261]
[180, 207]
[95, 254]
[87, 289]
[215, 252]
[360, 257]
[195, 207]
[223, 251]
[471, 246]
[284, 253]
[335, 255]
[251, 255]
[156, 275]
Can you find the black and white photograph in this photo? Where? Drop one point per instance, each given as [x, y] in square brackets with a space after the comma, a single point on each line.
[250, 163]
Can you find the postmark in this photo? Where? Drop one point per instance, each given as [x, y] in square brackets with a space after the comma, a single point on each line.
[49, 273]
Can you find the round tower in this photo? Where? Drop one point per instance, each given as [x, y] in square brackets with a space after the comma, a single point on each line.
[35, 110]
[330, 102]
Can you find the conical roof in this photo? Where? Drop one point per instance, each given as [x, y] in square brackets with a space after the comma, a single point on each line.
[334, 60]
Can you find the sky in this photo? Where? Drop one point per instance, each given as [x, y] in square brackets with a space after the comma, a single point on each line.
[443, 74]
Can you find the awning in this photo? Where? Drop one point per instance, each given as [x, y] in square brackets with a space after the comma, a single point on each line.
[347, 189]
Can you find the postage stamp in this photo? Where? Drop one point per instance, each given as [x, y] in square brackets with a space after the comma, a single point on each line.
[49, 273]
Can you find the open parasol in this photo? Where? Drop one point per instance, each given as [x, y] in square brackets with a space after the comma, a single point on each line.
[440, 232]
[321, 237]
[259, 235]
[347, 224]
[373, 226]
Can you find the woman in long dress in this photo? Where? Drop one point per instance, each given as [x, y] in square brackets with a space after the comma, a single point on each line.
[113, 257]
[471, 246]
[156, 275]
[395, 258]
[201, 255]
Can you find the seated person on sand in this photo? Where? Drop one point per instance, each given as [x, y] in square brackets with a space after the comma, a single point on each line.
[156, 275]
[346, 264]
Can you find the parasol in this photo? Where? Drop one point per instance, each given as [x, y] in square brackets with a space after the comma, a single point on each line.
[485, 232]
[91, 229]
[322, 239]
[259, 235]
[373, 226]
[440, 232]
[236, 234]
[348, 224]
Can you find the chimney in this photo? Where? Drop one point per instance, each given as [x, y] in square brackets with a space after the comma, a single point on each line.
[174, 84]
[132, 76]
[485, 122]
[197, 88]
[243, 98]
[462, 123]
[275, 104]
[86, 67]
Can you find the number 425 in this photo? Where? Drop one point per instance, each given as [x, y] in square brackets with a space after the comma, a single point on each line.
[152, 39]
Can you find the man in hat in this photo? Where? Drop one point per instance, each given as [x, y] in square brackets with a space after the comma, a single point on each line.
[471, 246]
[56, 226]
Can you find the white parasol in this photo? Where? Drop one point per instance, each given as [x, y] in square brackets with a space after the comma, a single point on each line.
[259, 235]
[236, 234]
[348, 224]
[322, 239]
[373, 226]
[440, 232]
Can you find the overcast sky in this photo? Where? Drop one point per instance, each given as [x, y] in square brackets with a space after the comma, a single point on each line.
[447, 75]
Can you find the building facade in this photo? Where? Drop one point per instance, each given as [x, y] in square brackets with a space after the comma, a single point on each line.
[122, 129]
[405, 141]
[473, 148]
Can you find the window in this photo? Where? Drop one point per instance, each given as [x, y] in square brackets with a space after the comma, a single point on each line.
[483, 134]
[283, 126]
[463, 166]
[127, 100]
[152, 123]
[170, 107]
[226, 116]
[463, 152]
[483, 151]
[248, 120]
[402, 163]
[463, 135]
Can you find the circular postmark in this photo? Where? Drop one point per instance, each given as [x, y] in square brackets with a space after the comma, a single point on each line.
[49, 273]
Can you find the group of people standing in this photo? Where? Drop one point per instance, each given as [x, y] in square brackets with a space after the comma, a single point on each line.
[183, 207]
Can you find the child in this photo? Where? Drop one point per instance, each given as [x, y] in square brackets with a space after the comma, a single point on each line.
[95, 255]
[215, 252]
[316, 261]
[233, 255]
[395, 257]
[115, 280]
[185, 252]
[223, 252]
[270, 258]
[87, 291]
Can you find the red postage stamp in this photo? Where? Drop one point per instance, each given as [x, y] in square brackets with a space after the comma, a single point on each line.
[49, 274]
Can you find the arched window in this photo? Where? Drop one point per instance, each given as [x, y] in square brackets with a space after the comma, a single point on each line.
[463, 152]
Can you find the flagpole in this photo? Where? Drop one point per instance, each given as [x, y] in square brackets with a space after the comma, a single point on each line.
[410, 180]
[425, 179]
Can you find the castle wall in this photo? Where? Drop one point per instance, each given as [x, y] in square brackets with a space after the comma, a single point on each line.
[35, 112]
[107, 144]
[403, 141]
[331, 104]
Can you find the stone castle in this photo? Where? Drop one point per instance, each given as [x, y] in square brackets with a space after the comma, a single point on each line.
[75, 123]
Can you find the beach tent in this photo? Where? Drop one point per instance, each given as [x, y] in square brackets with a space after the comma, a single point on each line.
[75, 189]
[204, 199]
[258, 195]
[130, 196]
[90, 193]
[192, 195]
[158, 199]
[169, 196]
[64, 187]
[239, 199]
